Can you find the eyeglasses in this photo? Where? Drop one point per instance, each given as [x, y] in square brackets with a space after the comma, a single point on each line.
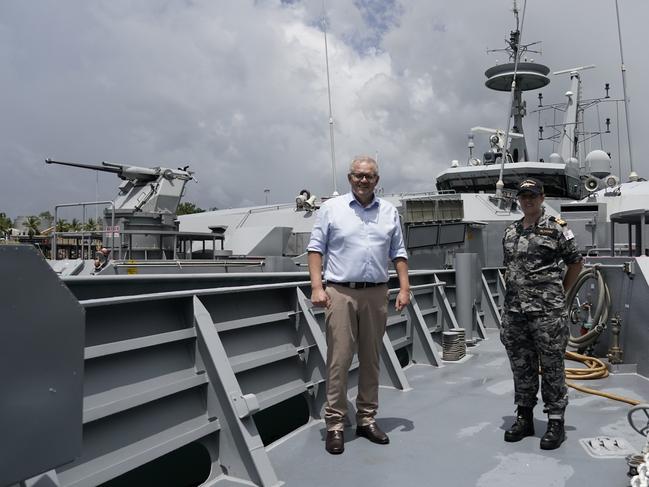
[360, 176]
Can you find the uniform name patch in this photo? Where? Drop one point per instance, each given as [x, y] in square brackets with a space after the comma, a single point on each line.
[545, 231]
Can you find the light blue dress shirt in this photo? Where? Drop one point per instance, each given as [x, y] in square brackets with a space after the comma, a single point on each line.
[357, 242]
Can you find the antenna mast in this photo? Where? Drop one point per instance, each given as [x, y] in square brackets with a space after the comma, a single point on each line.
[331, 118]
[515, 44]
[632, 175]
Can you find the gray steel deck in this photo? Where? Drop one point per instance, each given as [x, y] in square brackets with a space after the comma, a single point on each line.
[190, 365]
[448, 430]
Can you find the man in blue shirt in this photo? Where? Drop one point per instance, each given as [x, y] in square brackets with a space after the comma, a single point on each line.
[356, 234]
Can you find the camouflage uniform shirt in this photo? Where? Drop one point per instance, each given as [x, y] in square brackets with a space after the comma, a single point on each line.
[533, 260]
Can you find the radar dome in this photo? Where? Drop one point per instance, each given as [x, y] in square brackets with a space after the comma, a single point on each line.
[598, 163]
[555, 158]
[573, 162]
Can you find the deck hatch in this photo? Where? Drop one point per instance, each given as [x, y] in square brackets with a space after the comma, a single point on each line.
[607, 447]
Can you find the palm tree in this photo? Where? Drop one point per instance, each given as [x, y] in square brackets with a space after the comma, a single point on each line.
[31, 224]
[62, 225]
[90, 226]
[75, 225]
[5, 224]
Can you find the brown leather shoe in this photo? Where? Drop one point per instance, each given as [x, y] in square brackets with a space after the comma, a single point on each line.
[335, 442]
[373, 433]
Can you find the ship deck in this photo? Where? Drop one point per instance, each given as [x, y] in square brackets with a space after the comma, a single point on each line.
[448, 430]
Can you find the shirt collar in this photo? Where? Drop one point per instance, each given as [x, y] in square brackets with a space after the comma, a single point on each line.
[536, 223]
[351, 200]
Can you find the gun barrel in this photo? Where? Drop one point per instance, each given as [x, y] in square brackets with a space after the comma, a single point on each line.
[115, 170]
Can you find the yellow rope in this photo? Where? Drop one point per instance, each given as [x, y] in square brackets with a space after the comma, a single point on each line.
[595, 369]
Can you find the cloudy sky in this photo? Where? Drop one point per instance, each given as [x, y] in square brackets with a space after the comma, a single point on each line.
[237, 89]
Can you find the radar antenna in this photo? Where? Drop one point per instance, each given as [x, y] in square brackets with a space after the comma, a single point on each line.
[514, 46]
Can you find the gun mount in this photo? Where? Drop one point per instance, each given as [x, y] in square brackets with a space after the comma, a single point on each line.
[132, 173]
[147, 199]
[145, 189]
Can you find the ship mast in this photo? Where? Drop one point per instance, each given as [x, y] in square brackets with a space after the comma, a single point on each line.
[515, 43]
[331, 118]
[632, 175]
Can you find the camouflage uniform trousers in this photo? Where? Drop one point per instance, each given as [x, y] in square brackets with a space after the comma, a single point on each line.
[533, 340]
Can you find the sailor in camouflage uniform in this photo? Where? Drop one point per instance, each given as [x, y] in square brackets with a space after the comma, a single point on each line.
[534, 330]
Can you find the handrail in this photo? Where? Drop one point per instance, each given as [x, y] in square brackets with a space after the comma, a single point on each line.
[418, 287]
[83, 205]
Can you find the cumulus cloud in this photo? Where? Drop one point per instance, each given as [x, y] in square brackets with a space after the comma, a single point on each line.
[238, 89]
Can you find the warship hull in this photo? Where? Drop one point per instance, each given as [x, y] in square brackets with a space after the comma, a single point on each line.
[133, 379]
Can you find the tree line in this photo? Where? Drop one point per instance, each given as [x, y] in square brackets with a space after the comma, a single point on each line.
[33, 223]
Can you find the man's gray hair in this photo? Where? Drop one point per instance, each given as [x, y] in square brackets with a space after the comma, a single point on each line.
[368, 159]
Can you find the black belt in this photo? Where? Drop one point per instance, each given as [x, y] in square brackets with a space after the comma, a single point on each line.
[357, 285]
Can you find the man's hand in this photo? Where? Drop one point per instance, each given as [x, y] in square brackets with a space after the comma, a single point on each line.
[403, 300]
[320, 298]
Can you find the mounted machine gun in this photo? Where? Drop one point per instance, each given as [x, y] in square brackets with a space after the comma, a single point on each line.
[145, 189]
[144, 208]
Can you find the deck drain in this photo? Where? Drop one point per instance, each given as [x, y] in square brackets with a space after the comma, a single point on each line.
[607, 447]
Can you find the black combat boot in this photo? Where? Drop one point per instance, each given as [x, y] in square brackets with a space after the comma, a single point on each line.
[554, 436]
[523, 426]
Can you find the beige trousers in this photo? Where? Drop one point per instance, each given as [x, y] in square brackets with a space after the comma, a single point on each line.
[355, 322]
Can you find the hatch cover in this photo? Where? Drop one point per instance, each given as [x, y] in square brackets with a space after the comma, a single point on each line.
[607, 447]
